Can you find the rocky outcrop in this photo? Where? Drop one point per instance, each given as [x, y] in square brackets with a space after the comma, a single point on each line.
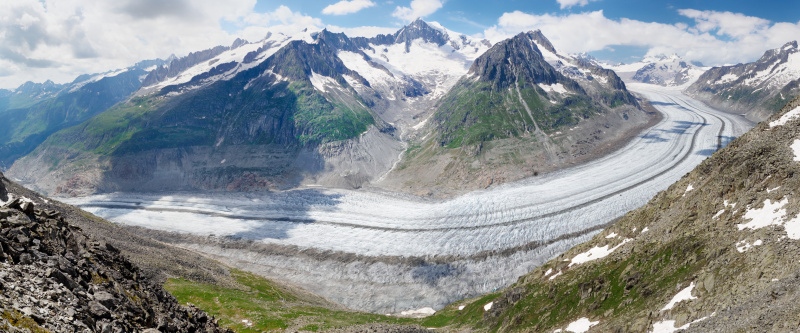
[54, 278]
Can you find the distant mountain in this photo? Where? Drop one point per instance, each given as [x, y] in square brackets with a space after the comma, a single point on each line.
[43, 109]
[757, 89]
[522, 108]
[661, 70]
[715, 252]
[27, 94]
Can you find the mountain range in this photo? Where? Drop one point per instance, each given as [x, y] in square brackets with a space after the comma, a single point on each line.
[757, 89]
[321, 108]
[669, 71]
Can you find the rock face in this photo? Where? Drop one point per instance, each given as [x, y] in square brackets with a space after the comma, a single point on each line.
[757, 89]
[54, 278]
[716, 252]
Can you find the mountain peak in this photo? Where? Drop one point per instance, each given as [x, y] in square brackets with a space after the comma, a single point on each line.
[420, 29]
[541, 40]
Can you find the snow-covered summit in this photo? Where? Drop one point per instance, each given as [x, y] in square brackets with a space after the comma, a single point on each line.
[663, 70]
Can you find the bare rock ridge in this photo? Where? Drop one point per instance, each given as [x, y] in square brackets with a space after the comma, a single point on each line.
[55, 278]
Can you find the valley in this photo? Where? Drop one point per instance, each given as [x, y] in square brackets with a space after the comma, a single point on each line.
[385, 252]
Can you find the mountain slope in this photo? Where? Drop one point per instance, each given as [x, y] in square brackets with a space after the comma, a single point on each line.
[716, 252]
[25, 128]
[757, 89]
[521, 109]
[57, 279]
[235, 127]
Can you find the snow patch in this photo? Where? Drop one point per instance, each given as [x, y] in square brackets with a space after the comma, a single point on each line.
[611, 235]
[744, 245]
[796, 149]
[596, 253]
[10, 198]
[646, 229]
[667, 326]
[556, 87]
[769, 190]
[718, 214]
[421, 124]
[683, 295]
[549, 270]
[424, 312]
[461, 307]
[728, 78]
[581, 325]
[488, 306]
[555, 275]
[688, 189]
[321, 82]
[785, 118]
[770, 214]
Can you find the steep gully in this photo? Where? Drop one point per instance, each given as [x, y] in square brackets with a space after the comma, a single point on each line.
[463, 246]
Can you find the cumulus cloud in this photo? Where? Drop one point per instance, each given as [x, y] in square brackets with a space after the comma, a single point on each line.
[418, 8]
[745, 41]
[347, 7]
[570, 3]
[61, 39]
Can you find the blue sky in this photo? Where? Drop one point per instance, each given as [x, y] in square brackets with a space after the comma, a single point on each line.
[61, 39]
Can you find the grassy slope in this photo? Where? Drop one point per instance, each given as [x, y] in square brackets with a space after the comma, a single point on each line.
[472, 112]
[267, 306]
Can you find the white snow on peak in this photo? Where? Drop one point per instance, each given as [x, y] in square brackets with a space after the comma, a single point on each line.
[596, 253]
[683, 295]
[96, 78]
[581, 325]
[777, 75]
[556, 87]
[786, 117]
[550, 57]
[275, 41]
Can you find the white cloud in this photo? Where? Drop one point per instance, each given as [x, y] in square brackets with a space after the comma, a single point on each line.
[570, 3]
[347, 7]
[418, 8]
[746, 40]
[61, 39]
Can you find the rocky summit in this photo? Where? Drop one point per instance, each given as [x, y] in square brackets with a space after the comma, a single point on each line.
[53, 278]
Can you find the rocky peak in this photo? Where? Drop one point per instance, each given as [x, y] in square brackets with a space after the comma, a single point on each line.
[419, 29]
[238, 42]
[54, 278]
[540, 39]
[517, 58]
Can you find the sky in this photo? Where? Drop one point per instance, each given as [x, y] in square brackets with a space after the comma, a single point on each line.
[61, 39]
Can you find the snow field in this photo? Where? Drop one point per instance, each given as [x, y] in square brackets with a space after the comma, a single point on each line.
[786, 117]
